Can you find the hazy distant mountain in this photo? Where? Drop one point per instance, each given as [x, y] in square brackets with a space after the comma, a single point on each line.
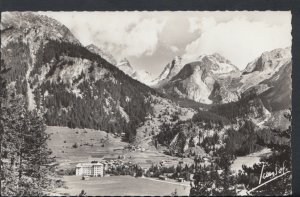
[125, 66]
[143, 77]
[140, 75]
[104, 54]
[169, 71]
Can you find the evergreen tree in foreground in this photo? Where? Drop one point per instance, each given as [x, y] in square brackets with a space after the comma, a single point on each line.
[25, 158]
[209, 182]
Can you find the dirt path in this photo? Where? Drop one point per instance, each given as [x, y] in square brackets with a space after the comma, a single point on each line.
[181, 184]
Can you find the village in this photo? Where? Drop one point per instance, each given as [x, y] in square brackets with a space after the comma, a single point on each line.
[163, 170]
[181, 174]
[113, 164]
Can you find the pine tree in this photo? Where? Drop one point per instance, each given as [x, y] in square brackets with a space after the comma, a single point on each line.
[24, 152]
[35, 156]
[8, 177]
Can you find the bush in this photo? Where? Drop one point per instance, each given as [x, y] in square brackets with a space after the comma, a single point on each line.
[75, 145]
[70, 171]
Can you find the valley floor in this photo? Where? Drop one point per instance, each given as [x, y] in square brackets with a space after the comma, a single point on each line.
[122, 185]
[98, 145]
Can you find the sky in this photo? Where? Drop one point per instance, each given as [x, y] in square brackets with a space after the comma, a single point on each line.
[150, 40]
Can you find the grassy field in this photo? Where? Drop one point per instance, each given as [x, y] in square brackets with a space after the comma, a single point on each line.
[91, 145]
[121, 185]
[98, 145]
[249, 160]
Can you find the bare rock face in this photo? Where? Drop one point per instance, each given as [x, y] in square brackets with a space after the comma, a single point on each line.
[204, 80]
[270, 77]
[269, 60]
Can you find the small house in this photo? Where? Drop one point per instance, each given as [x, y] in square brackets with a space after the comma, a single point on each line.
[169, 175]
[190, 176]
[162, 177]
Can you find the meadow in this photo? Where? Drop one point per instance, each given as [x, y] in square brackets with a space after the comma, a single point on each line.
[122, 186]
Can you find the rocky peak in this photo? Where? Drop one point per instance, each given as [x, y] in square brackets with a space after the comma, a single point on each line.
[34, 28]
[269, 60]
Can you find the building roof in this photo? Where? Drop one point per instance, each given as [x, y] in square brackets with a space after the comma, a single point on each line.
[88, 165]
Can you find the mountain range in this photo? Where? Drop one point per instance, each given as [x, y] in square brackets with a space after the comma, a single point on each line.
[85, 87]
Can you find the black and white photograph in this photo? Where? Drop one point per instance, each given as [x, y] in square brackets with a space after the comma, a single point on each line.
[146, 103]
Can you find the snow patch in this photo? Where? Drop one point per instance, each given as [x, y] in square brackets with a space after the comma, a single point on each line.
[224, 68]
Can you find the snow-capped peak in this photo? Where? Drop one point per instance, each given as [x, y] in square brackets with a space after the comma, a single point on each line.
[264, 67]
[203, 78]
[104, 54]
[216, 64]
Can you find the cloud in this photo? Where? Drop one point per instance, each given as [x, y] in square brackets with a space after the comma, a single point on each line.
[240, 40]
[174, 48]
[121, 33]
[194, 24]
[151, 39]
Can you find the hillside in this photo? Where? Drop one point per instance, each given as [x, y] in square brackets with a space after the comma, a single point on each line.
[70, 146]
[75, 87]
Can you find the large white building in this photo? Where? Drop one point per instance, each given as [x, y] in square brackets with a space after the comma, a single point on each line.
[89, 169]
